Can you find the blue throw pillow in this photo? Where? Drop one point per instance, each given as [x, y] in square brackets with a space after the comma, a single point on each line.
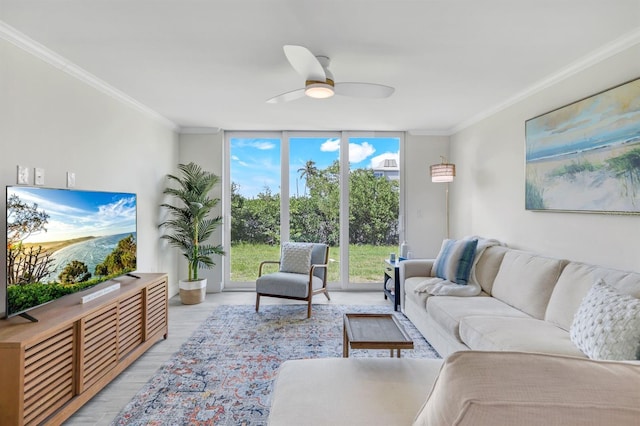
[455, 260]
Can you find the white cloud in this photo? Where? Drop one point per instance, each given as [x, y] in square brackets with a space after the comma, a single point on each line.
[358, 153]
[235, 158]
[254, 143]
[375, 161]
[263, 145]
[330, 146]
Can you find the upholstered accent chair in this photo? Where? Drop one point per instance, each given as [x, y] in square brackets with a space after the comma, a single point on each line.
[302, 274]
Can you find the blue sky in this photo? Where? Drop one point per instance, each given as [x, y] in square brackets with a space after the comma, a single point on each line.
[255, 163]
[74, 214]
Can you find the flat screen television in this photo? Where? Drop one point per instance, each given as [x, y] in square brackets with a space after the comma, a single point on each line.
[61, 241]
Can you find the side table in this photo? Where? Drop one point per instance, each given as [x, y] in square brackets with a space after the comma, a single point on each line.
[392, 272]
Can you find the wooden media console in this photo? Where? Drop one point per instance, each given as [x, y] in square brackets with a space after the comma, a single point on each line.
[49, 369]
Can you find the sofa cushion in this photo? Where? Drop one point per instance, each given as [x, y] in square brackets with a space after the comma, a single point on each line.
[296, 257]
[455, 260]
[574, 283]
[351, 391]
[511, 388]
[516, 334]
[526, 280]
[487, 266]
[607, 324]
[447, 311]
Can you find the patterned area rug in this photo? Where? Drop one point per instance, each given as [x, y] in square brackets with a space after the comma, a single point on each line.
[224, 373]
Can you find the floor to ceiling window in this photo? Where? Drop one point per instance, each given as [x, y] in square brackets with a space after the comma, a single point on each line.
[314, 188]
[339, 188]
[374, 204]
[254, 184]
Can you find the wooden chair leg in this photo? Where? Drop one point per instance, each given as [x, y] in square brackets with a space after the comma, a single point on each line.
[309, 309]
[257, 301]
[326, 293]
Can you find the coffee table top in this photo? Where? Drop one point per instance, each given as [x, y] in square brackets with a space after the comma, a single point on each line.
[371, 331]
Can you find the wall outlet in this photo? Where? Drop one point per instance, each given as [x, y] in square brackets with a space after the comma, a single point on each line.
[39, 176]
[23, 175]
[71, 179]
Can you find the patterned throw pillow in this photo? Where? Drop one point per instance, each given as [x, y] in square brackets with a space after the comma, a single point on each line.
[455, 260]
[296, 258]
[607, 324]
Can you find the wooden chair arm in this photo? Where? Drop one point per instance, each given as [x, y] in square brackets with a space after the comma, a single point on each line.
[313, 268]
[264, 263]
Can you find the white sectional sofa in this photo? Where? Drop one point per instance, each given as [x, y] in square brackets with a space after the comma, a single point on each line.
[516, 353]
[469, 388]
[528, 303]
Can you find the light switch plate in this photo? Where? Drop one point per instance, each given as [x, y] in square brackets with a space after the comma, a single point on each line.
[39, 176]
[23, 175]
[71, 179]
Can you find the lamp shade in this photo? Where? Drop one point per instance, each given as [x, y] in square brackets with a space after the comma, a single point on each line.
[443, 172]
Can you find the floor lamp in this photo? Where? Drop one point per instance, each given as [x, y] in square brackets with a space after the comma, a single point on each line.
[444, 173]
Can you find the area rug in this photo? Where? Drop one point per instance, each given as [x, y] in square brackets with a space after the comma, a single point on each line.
[223, 374]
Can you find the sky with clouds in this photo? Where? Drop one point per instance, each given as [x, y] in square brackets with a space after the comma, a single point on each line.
[255, 163]
[75, 213]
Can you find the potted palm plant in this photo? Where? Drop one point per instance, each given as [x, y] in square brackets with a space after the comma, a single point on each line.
[189, 225]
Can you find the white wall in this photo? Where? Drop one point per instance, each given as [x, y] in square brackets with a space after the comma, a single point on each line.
[425, 218]
[488, 195]
[206, 150]
[51, 120]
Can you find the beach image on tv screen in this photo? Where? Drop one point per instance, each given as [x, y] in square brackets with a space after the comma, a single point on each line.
[63, 241]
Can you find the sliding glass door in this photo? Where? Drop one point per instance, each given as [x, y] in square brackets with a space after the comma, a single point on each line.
[339, 188]
[253, 183]
[374, 205]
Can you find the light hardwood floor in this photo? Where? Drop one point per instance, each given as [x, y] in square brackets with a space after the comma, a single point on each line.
[183, 320]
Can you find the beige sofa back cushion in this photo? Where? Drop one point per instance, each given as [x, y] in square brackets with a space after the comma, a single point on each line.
[518, 388]
[574, 283]
[487, 267]
[525, 281]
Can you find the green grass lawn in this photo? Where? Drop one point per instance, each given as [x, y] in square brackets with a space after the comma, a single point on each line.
[366, 261]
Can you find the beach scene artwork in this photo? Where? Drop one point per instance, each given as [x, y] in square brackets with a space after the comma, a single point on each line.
[586, 156]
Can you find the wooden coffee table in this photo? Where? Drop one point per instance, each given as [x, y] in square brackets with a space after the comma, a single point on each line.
[374, 331]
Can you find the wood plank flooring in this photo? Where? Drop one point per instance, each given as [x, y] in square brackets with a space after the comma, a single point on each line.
[183, 320]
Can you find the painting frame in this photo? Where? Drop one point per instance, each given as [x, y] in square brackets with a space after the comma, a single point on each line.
[585, 156]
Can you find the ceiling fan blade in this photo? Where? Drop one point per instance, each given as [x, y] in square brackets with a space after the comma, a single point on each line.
[363, 90]
[286, 97]
[304, 62]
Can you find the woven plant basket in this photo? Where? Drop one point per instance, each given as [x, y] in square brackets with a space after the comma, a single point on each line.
[193, 292]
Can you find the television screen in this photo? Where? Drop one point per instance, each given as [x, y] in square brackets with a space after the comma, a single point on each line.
[61, 241]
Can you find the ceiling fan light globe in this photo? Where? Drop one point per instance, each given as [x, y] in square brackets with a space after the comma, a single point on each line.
[319, 90]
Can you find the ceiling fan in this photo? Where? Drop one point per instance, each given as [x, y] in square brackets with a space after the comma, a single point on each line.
[319, 82]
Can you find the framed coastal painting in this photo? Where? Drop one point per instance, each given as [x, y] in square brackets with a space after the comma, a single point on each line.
[585, 156]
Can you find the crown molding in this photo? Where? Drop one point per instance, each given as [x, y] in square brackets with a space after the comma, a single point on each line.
[620, 44]
[418, 132]
[199, 130]
[36, 49]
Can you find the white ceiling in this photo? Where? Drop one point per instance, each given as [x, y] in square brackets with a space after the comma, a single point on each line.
[214, 63]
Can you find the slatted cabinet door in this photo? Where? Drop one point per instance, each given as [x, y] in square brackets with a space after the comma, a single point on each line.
[99, 345]
[48, 375]
[130, 333]
[156, 308]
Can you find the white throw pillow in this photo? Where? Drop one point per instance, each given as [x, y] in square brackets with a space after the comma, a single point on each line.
[296, 258]
[607, 324]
